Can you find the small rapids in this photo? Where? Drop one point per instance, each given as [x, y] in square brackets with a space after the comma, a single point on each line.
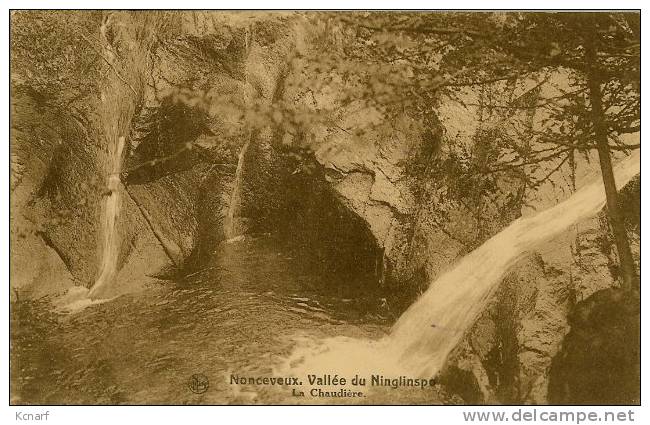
[427, 332]
[239, 315]
[259, 310]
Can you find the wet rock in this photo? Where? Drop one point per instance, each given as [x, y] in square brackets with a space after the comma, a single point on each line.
[368, 174]
[599, 361]
[56, 197]
[529, 325]
[172, 193]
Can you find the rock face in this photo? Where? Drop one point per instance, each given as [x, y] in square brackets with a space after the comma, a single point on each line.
[174, 188]
[600, 361]
[543, 317]
[370, 179]
[193, 175]
[507, 356]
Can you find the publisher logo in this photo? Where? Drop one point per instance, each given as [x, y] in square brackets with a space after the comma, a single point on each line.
[198, 383]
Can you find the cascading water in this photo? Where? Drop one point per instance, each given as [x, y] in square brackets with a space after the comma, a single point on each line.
[231, 227]
[426, 333]
[109, 215]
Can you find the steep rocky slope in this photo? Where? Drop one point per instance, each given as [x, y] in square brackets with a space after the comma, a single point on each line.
[194, 175]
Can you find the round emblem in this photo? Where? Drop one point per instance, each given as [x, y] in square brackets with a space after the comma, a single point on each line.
[198, 383]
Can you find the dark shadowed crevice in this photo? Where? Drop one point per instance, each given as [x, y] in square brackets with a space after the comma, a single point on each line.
[502, 361]
[599, 361]
[628, 198]
[210, 221]
[463, 383]
[165, 143]
[285, 194]
[316, 222]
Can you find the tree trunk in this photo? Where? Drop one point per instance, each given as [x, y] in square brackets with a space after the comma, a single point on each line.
[629, 280]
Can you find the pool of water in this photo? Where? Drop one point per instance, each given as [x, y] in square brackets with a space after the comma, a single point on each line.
[241, 315]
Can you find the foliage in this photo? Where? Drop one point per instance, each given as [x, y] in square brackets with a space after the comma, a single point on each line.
[527, 74]
[46, 56]
[523, 74]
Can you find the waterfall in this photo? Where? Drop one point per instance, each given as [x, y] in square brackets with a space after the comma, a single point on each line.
[231, 228]
[110, 211]
[428, 331]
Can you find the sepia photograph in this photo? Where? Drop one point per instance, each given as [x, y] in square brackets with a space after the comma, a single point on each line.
[324, 207]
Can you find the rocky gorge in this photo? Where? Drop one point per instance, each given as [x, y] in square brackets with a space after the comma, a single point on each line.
[364, 207]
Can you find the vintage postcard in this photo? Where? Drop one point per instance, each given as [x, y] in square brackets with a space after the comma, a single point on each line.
[324, 207]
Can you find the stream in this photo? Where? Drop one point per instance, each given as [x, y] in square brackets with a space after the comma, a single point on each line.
[243, 314]
[258, 311]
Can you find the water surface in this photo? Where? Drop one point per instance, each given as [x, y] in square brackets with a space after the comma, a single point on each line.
[241, 315]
